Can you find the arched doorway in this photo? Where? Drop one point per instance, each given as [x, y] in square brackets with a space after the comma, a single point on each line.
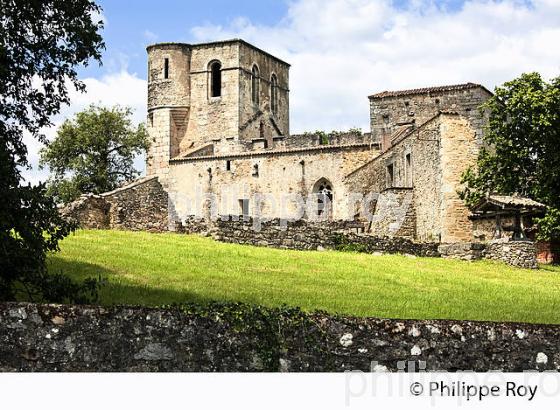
[323, 194]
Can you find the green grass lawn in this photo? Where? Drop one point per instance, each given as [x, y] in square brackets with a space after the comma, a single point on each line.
[155, 269]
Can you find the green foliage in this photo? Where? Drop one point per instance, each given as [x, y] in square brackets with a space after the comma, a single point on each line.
[522, 141]
[41, 43]
[155, 269]
[549, 225]
[94, 152]
[355, 131]
[326, 137]
[341, 243]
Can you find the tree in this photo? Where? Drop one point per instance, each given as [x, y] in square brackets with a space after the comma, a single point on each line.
[94, 152]
[522, 153]
[41, 44]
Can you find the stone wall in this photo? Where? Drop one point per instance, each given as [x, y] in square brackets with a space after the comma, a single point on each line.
[389, 110]
[458, 151]
[305, 235]
[415, 160]
[466, 251]
[394, 214]
[522, 254]
[275, 176]
[88, 211]
[139, 206]
[252, 115]
[228, 338]
[314, 139]
[349, 235]
[183, 114]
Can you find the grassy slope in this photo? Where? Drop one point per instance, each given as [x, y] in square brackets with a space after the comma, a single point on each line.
[152, 269]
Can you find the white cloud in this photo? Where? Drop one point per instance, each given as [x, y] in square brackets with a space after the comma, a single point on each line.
[120, 88]
[150, 36]
[343, 50]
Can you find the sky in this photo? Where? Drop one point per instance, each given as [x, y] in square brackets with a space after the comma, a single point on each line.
[341, 51]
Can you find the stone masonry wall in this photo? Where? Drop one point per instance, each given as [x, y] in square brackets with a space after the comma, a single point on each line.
[349, 235]
[521, 254]
[458, 150]
[251, 115]
[304, 235]
[229, 338]
[516, 253]
[139, 206]
[277, 177]
[423, 174]
[89, 211]
[417, 108]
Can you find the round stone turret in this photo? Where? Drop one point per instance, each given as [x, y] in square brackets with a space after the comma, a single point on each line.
[169, 75]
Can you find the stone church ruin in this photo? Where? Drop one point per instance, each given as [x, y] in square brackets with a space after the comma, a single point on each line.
[222, 154]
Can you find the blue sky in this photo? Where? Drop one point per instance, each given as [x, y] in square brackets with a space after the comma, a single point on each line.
[341, 51]
[133, 25]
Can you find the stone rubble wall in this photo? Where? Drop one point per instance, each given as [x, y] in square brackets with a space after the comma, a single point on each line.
[139, 206]
[350, 236]
[228, 338]
[466, 251]
[314, 139]
[388, 113]
[307, 235]
[88, 211]
[521, 254]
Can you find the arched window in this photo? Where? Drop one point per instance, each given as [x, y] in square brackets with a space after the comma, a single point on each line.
[215, 79]
[274, 94]
[255, 84]
[324, 194]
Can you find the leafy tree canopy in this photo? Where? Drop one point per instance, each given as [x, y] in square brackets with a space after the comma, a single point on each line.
[94, 152]
[523, 147]
[41, 44]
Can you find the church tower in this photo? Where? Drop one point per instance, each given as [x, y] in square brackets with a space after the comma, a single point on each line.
[213, 97]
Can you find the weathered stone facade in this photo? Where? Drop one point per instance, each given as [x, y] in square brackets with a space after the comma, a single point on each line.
[516, 253]
[521, 254]
[304, 235]
[214, 151]
[218, 117]
[227, 338]
[185, 113]
[429, 160]
[390, 111]
[139, 206]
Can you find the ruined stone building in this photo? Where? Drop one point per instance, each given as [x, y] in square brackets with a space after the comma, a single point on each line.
[218, 118]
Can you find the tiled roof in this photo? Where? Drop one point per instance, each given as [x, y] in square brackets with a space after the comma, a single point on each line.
[440, 89]
[273, 152]
[509, 202]
[514, 201]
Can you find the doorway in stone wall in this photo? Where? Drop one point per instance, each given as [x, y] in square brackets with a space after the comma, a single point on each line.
[323, 194]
